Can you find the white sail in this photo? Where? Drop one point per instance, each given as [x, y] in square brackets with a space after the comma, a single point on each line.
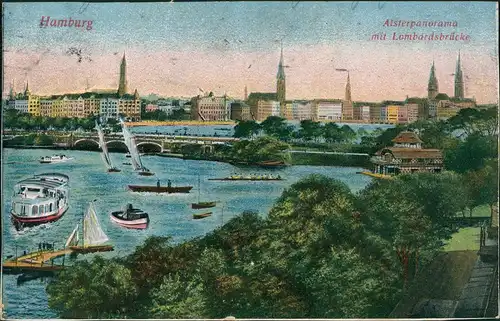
[73, 238]
[132, 148]
[104, 147]
[92, 231]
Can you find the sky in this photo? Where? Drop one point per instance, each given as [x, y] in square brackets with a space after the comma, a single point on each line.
[173, 49]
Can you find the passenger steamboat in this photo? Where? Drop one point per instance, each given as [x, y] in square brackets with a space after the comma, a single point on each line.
[40, 199]
[54, 159]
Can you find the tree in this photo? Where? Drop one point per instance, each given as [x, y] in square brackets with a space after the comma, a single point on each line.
[472, 154]
[310, 130]
[178, 299]
[97, 289]
[482, 186]
[246, 129]
[277, 127]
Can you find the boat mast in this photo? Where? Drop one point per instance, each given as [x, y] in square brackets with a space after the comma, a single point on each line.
[199, 188]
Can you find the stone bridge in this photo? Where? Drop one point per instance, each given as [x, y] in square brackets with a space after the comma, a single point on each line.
[70, 140]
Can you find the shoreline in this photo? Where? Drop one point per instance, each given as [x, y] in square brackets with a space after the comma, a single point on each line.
[297, 162]
[178, 123]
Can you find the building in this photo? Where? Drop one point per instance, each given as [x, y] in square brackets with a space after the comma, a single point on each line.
[327, 109]
[21, 105]
[108, 108]
[240, 111]
[301, 110]
[347, 105]
[254, 98]
[209, 107]
[281, 82]
[365, 114]
[151, 107]
[459, 80]
[46, 107]
[432, 87]
[413, 112]
[91, 105]
[266, 108]
[407, 156]
[122, 86]
[393, 114]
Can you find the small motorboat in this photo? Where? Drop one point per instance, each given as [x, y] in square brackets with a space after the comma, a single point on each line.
[146, 172]
[128, 155]
[133, 218]
[54, 159]
[127, 163]
[201, 215]
[271, 164]
[113, 170]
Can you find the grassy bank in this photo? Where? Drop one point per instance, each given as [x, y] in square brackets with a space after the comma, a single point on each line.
[330, 160]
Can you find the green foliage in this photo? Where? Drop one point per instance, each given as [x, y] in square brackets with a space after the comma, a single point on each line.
[471, 154]
[246, 129]
[310, 130]
[101, 288]
[261, 149]
[177, 298]
[43, 140]
[277, 127]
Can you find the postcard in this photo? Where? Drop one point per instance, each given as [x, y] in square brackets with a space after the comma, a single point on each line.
[249, 160]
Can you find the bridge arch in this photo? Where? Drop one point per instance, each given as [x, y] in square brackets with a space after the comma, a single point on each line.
[117, 146]
[151, 143]
[86, 144]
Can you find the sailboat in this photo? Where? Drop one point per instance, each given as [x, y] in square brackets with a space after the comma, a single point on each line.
[201, 204]
[93, 235]
[134, 153]
[104, 148]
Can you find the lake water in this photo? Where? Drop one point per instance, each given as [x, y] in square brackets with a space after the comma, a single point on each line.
[170, 214]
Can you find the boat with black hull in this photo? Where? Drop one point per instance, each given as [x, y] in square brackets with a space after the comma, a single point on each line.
[40, 199]
[160, 189]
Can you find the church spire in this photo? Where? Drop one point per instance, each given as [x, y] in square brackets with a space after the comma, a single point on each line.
[459, 81]
[280, 81]
[348, 89]
[12, 93]
[432, 87]
[27, 90]
[122, 87]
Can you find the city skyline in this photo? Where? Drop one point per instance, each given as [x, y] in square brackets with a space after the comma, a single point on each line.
[225, 60]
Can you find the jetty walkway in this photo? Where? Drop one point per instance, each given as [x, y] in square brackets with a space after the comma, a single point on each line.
[36, 261]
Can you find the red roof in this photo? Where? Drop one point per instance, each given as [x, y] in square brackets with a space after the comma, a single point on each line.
[407, 137]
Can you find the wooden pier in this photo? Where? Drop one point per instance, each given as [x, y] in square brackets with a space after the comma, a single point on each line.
[36, 261]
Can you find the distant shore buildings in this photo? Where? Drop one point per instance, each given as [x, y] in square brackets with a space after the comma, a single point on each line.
[255, 106]
[107, 103]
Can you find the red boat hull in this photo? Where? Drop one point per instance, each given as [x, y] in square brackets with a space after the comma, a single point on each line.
[20, 222]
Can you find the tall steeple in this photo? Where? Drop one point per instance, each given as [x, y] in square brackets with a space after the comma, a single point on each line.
[280, 81]
[432, 87]
[27, 90]
[122, 87]
[12, 93]
[246, 93]
[348, 89]
[459, 81]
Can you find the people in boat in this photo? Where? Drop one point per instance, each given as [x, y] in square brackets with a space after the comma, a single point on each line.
[128, 210]
[169, 183]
